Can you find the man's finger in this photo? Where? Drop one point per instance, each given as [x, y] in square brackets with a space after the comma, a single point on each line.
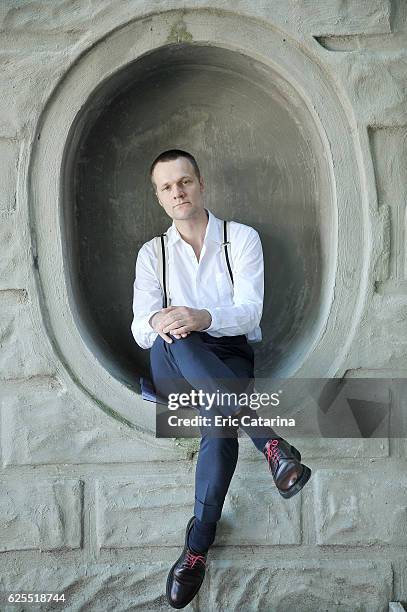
[179, 336]
[175, 324]
[166, 338]
[179, 330]
[169, 318]
[167, 321]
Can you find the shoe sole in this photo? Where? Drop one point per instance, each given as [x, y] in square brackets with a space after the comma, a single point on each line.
[171, 572]
[297, 486]
[303, 479]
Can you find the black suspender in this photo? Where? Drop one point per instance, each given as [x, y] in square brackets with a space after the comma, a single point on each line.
[225, 244]
[164, 270]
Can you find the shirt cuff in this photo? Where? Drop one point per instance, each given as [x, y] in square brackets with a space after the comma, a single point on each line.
[214, 323]
[153, 312]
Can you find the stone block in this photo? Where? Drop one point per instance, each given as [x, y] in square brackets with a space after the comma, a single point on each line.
[40, 16]
[381, 247]
[42, 423]
[390, 159]
[366, 74]
[21, 355]
[390, 162]
[293, 586]
[350, 505]
[14, 242]
[9, 151]
[341, 17]
[129, 512]
[26, 81]
[39, 513]
[95, 587]
[381, 343]
[152, 510]
[254, 512]
[338, 16]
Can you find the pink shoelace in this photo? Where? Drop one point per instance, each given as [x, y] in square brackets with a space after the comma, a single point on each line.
[191, 559]
[273, 453]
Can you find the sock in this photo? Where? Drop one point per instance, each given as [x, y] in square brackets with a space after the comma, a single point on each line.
[201, 536]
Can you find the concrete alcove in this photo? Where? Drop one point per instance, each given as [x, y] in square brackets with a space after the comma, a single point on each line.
[275, 141]
[264, 165]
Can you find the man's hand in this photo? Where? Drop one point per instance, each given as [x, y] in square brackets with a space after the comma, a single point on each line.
[180, 321]
[156, 323]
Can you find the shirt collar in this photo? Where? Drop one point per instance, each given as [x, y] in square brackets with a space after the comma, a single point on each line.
[213, 230]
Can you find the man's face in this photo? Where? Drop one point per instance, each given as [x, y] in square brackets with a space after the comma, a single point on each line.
[178, 189]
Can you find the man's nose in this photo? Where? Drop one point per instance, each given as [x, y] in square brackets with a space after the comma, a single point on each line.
[178, 192]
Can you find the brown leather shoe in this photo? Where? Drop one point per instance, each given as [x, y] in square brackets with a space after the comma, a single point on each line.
[186, 575]
[284, 462]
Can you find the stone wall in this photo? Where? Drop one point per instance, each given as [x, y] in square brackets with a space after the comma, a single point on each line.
[91, 504]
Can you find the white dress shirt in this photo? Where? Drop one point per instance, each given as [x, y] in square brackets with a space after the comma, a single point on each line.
[204, 284]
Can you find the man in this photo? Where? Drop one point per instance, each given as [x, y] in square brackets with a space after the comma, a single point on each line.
[201, 339]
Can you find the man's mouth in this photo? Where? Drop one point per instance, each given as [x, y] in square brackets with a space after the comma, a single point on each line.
[181, 204]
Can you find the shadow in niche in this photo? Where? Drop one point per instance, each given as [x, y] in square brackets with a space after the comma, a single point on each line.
[263, 165]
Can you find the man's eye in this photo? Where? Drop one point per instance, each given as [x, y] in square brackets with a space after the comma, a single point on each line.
[186, 181]
[166, 188]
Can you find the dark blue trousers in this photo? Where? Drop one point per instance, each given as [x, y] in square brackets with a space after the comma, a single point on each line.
[201, 361]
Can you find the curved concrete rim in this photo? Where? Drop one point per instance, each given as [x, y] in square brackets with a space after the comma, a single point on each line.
[248, 36]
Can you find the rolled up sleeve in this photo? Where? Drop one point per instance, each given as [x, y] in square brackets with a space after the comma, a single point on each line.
[147, 298]
[248, 276]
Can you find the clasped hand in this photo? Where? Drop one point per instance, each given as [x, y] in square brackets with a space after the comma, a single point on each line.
[180, 321]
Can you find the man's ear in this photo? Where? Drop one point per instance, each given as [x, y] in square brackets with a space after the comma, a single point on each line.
[201, 184]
